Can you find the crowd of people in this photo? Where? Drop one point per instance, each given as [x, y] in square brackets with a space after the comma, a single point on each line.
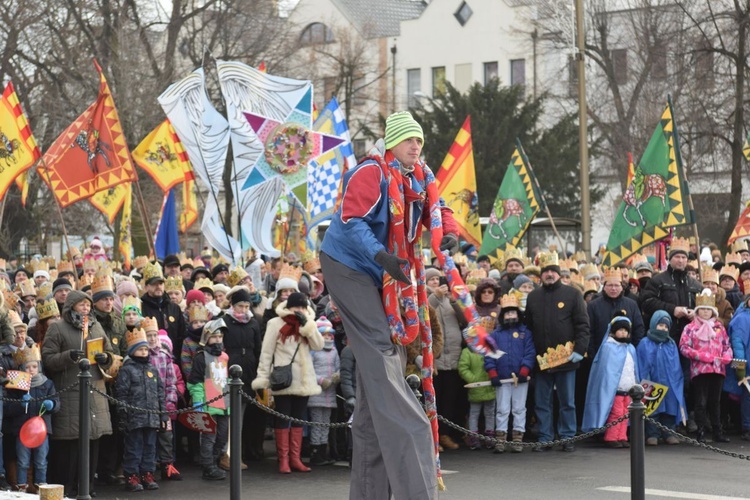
[161, 336]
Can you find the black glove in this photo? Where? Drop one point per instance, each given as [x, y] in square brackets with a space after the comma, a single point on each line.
[392, 266]
[76, 354]
[101, 358]
[350, 404]
[495, 381]
[450, 243]
[522, 378]
[301, 317]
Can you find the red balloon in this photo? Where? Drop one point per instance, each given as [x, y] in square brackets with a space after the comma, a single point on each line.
[33, 432]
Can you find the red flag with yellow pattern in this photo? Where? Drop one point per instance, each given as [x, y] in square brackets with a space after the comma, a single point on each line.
[91, 155]
[18, 149]
[457, 185]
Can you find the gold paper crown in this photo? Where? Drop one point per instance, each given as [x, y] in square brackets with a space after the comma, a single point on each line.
[131, 301]
[475, 276]
[509, 300]
[512, 253]
[290, 272]
[548, 259]
[680, 244]
[693, 264]
[11, 299]
[579, 256]
[202, 283]
[85, 280]
[53, 274]
[23, 356]
[705, 300]
[577, 279]
[3, 265]
[42, 266]
[532, 271]
[47, 308]
[612, 274]
[733, 258]
[73, 252]
[590, 286]
[173, 283]
[44, 290]
[739, 246]
[197, 313]
[90, 264]
[135, 337]
[235, 276]
[15, 320]
[140, 262]
[569, 264]
[637, 259]
[149, 325]
[102, 282]
[709, 274]
[151, 271]
[27, 288]
[311, 265]
[589, 269]
[730, 271]
[65, 266]
[555, 357]
[184, 259]
[197, 262]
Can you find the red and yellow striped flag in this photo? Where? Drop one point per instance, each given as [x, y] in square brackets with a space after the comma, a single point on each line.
[457, 185]
[163, 156]
[18, 148]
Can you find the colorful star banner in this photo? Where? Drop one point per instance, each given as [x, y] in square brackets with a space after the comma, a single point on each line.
[18, 149]
[457, 185]
[91, 154]
[163, 157]
[110, 201]
[657, 199]
[518, 201]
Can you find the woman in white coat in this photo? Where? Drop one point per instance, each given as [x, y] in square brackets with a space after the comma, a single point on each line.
[289, 339]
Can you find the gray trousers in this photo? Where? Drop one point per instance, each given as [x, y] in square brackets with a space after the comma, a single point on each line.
[393, 445]
[318, 434]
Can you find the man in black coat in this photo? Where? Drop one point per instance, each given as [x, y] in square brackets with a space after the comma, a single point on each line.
[672, 290]
[156, 304]
[556, 314]
[610, 303]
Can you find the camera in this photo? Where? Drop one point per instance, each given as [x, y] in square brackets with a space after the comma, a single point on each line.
[443, 281]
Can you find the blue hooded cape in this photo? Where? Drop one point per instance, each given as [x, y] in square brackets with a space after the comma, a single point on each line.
[605, 375]
[739, 337]
[660, 363]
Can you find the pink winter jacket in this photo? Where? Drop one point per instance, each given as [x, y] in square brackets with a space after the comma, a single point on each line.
[707, 353]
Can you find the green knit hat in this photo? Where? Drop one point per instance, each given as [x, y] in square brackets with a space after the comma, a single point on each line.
[399, 127]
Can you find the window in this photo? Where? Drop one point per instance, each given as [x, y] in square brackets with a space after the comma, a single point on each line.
[490, 72]
[572, 77]
[438, 81]
[704, 66]
[316, 33]
[413, 85]
[518, 72]
[620, 65]
[463, 13]
[462, 77]
[359, 94]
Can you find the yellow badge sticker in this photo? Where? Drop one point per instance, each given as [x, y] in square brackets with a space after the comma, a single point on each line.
[515, 335]
[171, 319]
[560, 305]
[150, 375]
[493, 314]
[115, 341]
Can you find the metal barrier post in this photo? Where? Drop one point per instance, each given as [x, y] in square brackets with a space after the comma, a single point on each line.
[235, 433]
[84, 422]
[637, 444]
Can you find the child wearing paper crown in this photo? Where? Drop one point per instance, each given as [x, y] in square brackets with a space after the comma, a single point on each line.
[207, 380]
[613, 372]
[17, 414]
[327, 369]
[197, 316]
[706, 344]
[659, 362]
[512, 337]
[138, 384]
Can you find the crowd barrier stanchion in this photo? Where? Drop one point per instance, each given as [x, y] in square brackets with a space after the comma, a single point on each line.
[84, 422]
[637, 444]
[235, 433]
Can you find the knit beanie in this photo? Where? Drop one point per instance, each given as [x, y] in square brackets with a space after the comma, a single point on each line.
[102, 295]
[619, 323]
[324, 326]
[399, 127]
[431, 272]
[296, 299]
[61, 284]
[125, 287]
[41, 273]
[241, 294]
[165, 340]
[520, 280]
[194, 295]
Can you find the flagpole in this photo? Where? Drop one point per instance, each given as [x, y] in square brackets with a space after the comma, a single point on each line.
[144, 214]
[2, 209]
[678, 154]
[289, 229]
[45, 167]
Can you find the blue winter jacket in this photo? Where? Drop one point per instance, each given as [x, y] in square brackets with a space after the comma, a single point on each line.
[739, 336]
[518, 346]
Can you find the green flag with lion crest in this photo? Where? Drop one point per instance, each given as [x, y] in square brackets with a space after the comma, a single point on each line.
[518, 201]
[656, 199]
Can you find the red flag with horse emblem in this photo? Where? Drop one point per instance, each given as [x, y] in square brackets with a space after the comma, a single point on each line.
[18, 149]
[91, 154]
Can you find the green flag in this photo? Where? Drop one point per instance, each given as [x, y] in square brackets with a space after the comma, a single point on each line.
[657, 197]
[517, 203]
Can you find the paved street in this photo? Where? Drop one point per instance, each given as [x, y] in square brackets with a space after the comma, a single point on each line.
[592, 472]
